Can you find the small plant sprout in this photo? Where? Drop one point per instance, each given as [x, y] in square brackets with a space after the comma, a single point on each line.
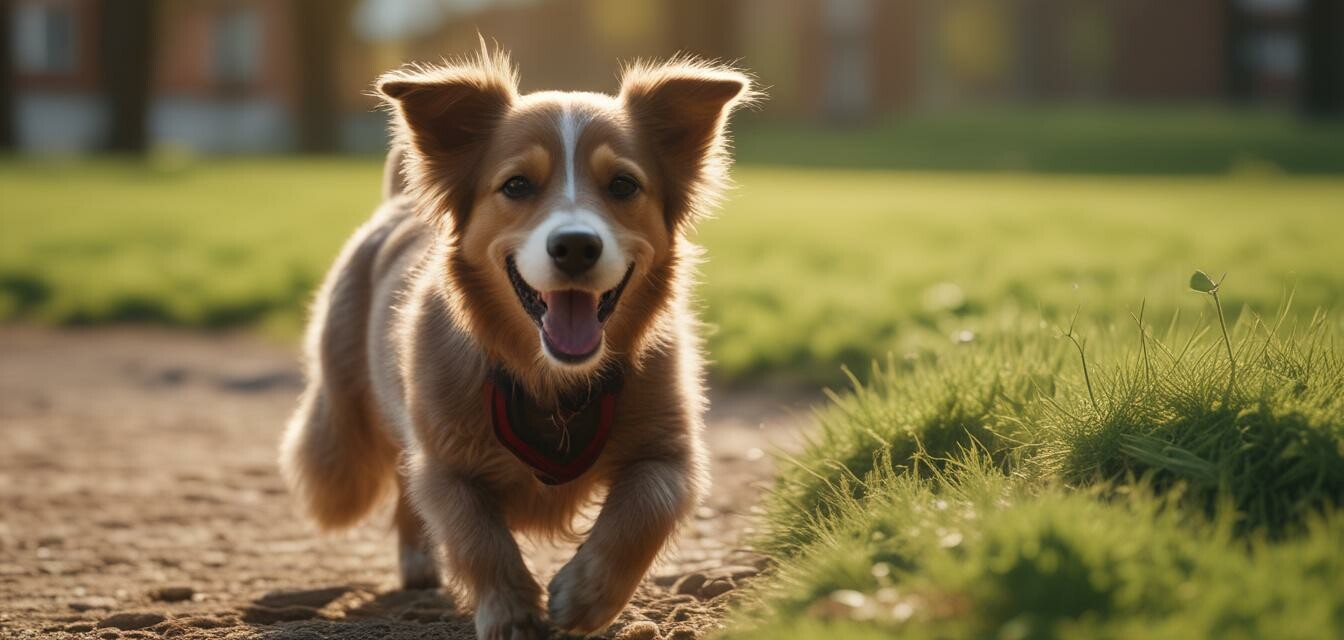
[1082, 355]
[1201, 283]
[1143, 340]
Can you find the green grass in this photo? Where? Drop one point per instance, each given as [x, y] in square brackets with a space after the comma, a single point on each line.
[1081, 140]
[221, 243]
[807, 269]
[977, 554]
[993, 490]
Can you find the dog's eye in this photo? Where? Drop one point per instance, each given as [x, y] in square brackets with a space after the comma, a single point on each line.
[517, 188]
[623, 187]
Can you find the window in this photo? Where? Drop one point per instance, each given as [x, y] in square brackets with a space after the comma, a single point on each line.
[1271, 6]
[44, 39]
[236, 45]
[848, 93]
[1276, 53]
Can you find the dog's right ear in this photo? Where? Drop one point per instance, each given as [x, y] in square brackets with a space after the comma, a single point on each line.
[443, 116]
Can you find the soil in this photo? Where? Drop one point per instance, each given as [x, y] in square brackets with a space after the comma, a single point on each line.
[139, 498]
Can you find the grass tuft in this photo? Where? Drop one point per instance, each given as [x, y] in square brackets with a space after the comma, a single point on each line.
[993, 491]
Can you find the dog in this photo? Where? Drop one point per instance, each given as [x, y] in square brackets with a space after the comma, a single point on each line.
[509, 338]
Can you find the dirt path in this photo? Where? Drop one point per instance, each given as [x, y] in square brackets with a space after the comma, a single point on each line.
[139, 498]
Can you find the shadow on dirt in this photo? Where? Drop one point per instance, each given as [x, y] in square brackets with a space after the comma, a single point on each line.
[349, 611]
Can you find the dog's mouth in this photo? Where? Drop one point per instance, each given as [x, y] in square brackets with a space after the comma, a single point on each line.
[571, 320]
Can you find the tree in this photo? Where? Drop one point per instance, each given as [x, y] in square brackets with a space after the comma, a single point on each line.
[128, 34]
[317, 33]
[8, 127]
[1323, 58]
[1239, 80]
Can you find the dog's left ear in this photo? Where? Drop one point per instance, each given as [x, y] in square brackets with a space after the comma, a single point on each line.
[681, 108]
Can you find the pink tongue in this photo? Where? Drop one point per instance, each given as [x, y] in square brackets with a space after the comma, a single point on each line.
[570, 321]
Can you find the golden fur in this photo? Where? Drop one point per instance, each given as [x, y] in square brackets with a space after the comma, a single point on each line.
[418, 308]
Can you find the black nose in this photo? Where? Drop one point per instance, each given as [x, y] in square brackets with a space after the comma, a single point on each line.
[574, 250]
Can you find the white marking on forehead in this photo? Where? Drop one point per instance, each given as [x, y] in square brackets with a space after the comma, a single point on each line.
[571, 125]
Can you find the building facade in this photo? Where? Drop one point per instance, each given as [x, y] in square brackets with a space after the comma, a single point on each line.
[227, 73]
[224, 79]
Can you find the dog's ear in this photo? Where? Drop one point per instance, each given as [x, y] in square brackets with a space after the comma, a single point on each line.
[681, 108]
[443, 116]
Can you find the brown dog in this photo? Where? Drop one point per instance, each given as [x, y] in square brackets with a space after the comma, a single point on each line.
[509, 339]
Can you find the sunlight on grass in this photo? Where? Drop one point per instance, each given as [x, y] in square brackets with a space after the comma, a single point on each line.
[1060, 441]
[1079, 140]
[810, 269]
[224, 243]
[807, 270]
[974, 553]
[985, 490]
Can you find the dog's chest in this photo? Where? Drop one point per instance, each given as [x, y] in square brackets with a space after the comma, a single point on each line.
[559, 443]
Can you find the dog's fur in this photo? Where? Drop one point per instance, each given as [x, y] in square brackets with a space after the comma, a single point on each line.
[419, 308]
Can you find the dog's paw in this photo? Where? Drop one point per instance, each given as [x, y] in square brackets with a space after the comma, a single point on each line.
[585, 596]
[503, 619]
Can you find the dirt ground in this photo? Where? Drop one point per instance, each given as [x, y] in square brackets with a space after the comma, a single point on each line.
[139, 498]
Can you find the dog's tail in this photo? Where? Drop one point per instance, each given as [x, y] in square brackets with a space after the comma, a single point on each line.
[337, 454]
[394, 181]
[335, 462]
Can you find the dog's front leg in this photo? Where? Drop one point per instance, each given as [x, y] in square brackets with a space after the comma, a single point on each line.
[465, 518]
[646, 502]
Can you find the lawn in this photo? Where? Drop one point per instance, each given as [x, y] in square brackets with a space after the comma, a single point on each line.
[1009, 488]
[214, 244]
[808, 269]
[1147, 476]
[1070, 140]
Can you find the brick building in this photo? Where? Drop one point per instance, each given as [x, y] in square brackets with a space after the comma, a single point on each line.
[224, 78]
[226, 71]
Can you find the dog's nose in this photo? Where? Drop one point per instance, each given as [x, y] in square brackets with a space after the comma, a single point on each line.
[574, 250]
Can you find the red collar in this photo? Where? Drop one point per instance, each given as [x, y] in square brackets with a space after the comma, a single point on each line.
[558, 443]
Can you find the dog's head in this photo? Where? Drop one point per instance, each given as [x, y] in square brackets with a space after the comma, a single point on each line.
[563, 213]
